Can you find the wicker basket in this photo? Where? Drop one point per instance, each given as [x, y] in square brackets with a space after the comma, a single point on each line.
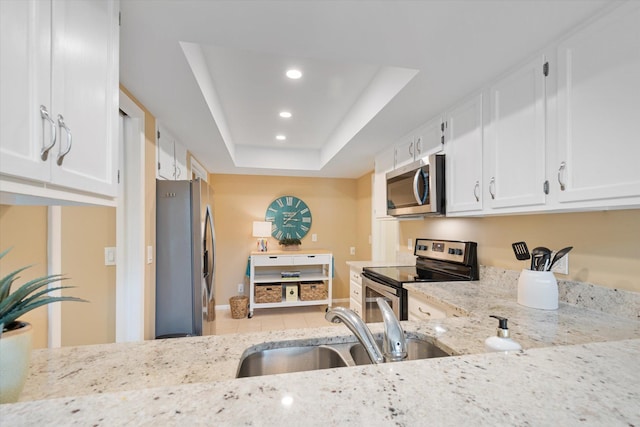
[312, 291]
[239, 306]
[271, 292]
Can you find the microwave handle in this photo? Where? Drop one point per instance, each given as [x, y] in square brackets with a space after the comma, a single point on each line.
[416, 193]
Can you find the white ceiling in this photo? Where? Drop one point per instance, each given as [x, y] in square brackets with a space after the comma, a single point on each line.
[212, 72]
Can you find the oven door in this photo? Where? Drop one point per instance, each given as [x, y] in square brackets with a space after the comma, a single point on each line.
[393, 296]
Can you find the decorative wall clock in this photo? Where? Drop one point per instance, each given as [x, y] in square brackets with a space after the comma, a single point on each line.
[290, 218]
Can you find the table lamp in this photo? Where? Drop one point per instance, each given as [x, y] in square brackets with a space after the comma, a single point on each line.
[262, 230]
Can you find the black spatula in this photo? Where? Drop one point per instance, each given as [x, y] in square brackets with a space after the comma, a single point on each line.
[521, 251]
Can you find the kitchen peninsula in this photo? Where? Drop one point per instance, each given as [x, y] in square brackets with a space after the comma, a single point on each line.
[578, 366]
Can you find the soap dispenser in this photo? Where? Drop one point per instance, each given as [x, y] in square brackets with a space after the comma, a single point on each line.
[501, 342]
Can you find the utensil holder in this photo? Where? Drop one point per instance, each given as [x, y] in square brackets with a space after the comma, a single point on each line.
[538, 289]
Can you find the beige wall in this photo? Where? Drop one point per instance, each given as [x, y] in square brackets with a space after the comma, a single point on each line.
[22, 228]
[150, 215]
[86, 231]
[606, 245]
[241, 199]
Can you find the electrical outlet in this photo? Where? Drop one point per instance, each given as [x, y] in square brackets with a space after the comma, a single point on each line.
[314, 237]
[240, 288]
[352, 250]
[562, 265]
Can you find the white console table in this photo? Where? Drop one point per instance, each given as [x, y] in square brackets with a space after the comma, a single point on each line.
[268, 267]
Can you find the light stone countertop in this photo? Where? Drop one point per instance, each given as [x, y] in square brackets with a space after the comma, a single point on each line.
[578, 366]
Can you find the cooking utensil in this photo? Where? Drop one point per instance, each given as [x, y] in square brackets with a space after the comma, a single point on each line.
[538, 257]
[562, 252]
[521, 250]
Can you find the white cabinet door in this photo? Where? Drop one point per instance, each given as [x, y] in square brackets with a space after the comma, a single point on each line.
[166, 159]
[429, 138]
[25, 70]
[172, 156]
[463, 148]
[180, 153]
[62, 56]
[599, 109]
[85, 94]
[404, 151]
[515, 145]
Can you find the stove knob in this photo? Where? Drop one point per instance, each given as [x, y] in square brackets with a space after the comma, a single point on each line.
[459, 252]
[452, 251]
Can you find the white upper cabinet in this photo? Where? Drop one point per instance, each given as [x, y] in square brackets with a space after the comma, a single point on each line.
[59, 82]
[598, 147]
[172, 156]
[419, 143]
[515, 139]
[463, 149]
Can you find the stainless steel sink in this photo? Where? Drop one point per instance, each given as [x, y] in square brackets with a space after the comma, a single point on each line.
[416, 349]
[290, 359]
[309, 358]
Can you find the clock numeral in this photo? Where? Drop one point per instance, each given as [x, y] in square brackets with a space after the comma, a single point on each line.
[298, 204]
[298, 235]
[306, 219]
[288, 235]
[280, 203]
[304, 211]
[279, 235]
[272, 210]
[289, 200]
[304, 227]
[270, 218]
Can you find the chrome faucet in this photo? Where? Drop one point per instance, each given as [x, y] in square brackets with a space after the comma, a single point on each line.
[394, 344]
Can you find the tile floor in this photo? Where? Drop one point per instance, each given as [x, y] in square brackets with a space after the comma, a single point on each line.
[272, 319]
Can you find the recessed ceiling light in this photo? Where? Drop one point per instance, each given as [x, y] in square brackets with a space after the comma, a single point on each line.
[294, 74]
[285, 114]
[281, 137]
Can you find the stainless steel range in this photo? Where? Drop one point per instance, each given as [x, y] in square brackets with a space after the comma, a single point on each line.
[437, 261]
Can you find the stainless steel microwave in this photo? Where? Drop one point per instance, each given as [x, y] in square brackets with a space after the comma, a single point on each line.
[417, 188]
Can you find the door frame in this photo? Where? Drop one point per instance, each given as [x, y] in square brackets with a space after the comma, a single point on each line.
[130, 226]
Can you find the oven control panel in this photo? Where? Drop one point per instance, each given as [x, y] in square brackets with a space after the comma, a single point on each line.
[445, 250]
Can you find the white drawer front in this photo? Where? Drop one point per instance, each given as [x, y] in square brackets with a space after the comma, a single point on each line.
[420, 310]
[354, 275]
[356, 291]
[311, 259]
[262, 260]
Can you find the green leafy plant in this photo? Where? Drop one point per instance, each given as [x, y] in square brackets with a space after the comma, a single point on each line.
[28, 296]
[290, 242]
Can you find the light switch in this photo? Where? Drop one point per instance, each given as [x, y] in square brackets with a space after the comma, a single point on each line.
[149, 254]
[314, 237]
[110, 255]
[352, 250]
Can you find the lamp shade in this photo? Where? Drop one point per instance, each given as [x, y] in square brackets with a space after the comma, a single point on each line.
[261, 229]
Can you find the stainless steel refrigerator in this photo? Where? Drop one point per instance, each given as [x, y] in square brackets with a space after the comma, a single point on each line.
[185, 260]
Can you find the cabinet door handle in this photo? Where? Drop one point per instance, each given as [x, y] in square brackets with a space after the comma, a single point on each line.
[419, 146]
[563, 167]
[44, 153]
[356, 292]
[424, 312]
[492, 187]
[411, 149]
[475, 191]
[61, 154]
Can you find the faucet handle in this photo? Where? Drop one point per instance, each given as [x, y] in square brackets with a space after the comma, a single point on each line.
[394, 344]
